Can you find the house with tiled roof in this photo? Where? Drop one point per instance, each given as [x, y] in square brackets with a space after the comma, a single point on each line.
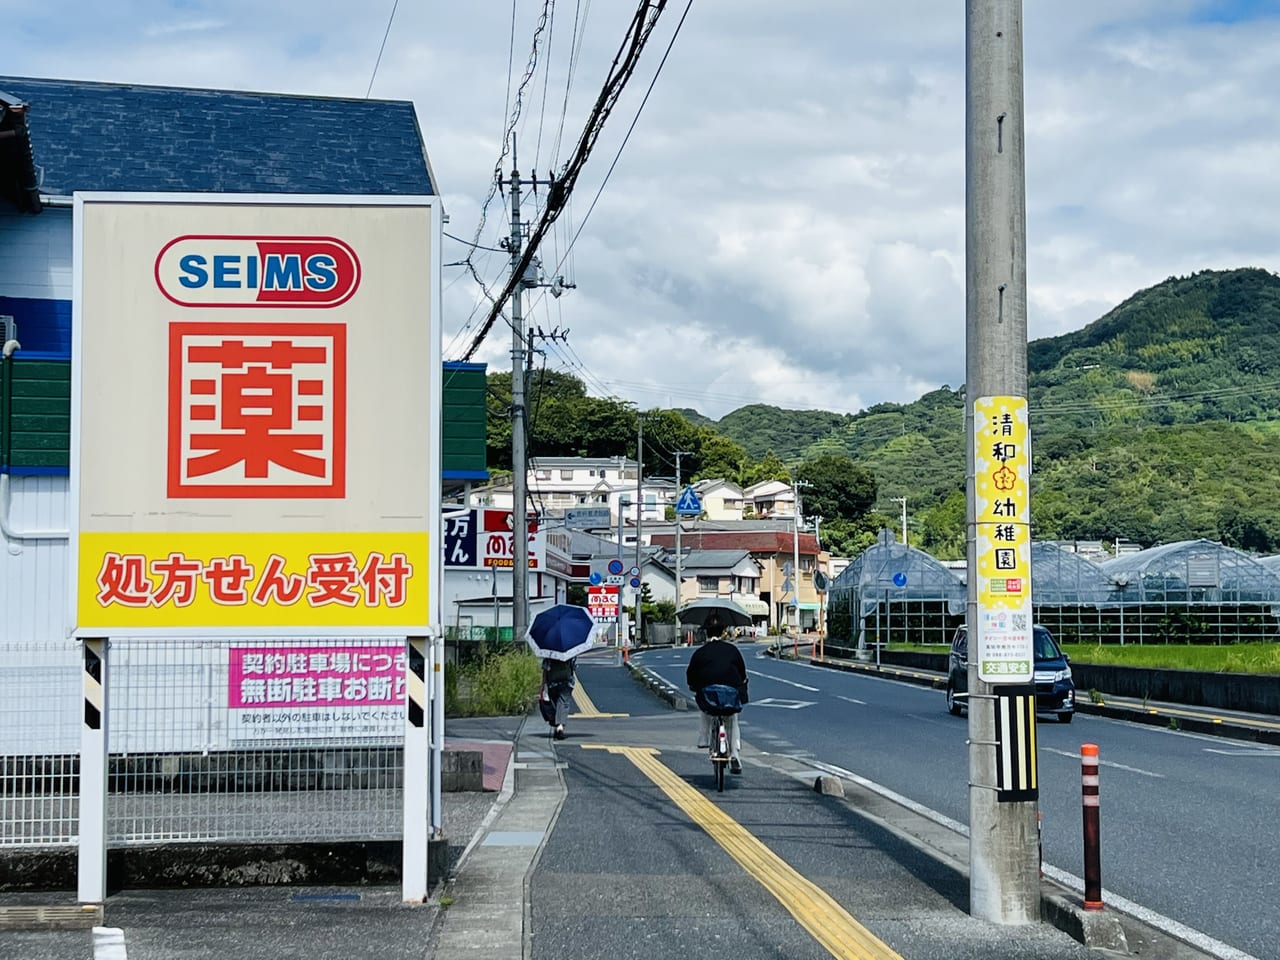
[773, 548]
[721, 499]
[721, 573]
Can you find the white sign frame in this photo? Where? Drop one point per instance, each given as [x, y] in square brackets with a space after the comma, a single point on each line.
[429, 449]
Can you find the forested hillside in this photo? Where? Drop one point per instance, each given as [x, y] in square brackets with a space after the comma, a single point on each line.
[1158, 422]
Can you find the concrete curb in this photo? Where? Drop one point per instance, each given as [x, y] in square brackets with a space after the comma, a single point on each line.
[1152, 716]
[666, 691]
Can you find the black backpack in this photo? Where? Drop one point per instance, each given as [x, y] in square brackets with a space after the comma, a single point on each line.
[557, 671]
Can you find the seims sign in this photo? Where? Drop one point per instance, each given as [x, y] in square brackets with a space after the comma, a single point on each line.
[245, 271]
[243, 473]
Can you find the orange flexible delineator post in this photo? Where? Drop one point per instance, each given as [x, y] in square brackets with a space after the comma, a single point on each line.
[1092, 828]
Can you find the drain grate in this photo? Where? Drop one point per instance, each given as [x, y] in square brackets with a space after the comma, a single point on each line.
[48, 917]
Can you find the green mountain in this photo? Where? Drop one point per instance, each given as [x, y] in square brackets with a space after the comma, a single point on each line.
[1160, 421]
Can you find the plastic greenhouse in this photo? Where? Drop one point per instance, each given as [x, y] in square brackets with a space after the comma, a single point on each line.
[892, 593]
[1195, 591]
[1072, 595]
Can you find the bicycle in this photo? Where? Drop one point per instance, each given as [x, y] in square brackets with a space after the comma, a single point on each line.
[719, 751]
[719, 701]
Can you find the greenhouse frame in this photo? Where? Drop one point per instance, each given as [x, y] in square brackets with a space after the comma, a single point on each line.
[1194, 591]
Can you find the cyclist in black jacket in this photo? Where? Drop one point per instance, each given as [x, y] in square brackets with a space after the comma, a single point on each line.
[718, 662]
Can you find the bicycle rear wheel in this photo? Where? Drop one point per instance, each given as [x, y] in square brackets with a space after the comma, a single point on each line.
[719, 765]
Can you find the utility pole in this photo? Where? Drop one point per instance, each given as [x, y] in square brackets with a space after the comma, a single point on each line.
[903, 501]
[519, 418]
[795, 552]
[679, 526]
[1004, 871]
[639, 508]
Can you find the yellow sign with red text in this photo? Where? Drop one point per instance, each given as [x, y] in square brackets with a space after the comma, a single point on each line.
[213, 581]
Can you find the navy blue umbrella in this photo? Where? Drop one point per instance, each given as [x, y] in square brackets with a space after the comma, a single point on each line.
[562, 632]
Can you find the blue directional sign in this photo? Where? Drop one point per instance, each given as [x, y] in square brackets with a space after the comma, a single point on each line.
[595, 579]
[899, 579]
[688, 505]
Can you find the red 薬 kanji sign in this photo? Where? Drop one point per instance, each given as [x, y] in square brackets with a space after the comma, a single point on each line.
[257, 409]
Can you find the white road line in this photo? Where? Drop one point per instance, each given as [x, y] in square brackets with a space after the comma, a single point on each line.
[108, 943]
[1105, 763]
[851, 700]
[790, 683]
[1257, 752]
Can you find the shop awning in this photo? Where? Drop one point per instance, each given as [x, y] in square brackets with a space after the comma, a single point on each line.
[753, 605]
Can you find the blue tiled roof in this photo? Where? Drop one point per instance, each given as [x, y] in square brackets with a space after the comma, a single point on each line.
[106, 136]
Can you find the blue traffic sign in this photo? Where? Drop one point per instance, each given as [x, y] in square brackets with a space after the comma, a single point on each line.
[615, 567]
[688, 505]
[595, 579]
[899, 579]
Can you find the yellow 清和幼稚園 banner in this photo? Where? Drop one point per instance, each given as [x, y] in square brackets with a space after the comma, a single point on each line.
[247, 581]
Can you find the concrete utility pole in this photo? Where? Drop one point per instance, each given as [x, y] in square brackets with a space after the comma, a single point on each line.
[519, 418]
[1004, 875]
[519, 424]
[795, 551]
[679, 526]
[639, 508]
[903, 501]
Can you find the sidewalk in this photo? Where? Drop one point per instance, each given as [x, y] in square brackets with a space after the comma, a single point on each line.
[616, 845]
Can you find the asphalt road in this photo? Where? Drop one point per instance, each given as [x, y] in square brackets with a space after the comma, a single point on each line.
[1190, 824]
[646, 860]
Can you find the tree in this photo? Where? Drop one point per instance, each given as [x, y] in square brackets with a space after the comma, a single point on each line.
[770, 468]
[836, 488]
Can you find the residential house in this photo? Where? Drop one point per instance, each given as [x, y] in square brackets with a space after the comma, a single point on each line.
[721, 499]
[732, 574]
[560, 483]
[773, 548]
[770, 498]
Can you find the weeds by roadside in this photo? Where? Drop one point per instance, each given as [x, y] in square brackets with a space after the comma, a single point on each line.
[500, 685]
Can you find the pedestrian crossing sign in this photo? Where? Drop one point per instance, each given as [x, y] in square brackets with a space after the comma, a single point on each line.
[688, 505]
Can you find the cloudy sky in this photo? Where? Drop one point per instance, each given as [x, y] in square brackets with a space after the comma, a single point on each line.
[785, 222]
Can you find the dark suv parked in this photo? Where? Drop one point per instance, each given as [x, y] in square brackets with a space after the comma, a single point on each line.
[1055, 690]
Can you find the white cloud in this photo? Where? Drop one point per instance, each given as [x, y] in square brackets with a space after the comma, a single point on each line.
[786, 223]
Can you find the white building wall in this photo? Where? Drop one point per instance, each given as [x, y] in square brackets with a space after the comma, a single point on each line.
[35, 255]
[34, 574]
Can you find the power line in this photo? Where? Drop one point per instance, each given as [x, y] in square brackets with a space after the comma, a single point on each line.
[642, 25]
[634, 120]
[390, 20]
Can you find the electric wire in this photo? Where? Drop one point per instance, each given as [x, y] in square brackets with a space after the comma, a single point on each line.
[624, 64]
[634, 121]
[378, 61]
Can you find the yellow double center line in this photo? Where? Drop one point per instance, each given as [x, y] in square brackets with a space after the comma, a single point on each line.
[828, 922]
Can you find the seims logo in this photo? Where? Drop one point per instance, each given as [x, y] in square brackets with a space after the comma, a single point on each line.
[226, 271]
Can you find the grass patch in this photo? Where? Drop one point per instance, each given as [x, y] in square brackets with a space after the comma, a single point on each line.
[499, 685]
[1262, 658]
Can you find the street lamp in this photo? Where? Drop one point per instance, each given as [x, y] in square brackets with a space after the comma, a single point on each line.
[903, 501]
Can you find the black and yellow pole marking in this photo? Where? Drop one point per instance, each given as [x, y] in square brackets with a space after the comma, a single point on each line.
[417, 681]
[815, 909]
[94, 700]
[1017, 776]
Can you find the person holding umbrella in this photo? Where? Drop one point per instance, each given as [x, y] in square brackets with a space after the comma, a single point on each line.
[718, 663]
[557, 635]
[558, 680]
